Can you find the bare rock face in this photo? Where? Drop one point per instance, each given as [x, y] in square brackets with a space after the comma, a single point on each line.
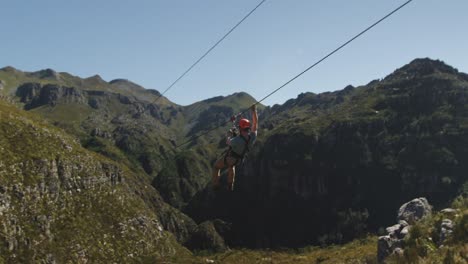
[34, 94]
[2, 84]
[414, 210]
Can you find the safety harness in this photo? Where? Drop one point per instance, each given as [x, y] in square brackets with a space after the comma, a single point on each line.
[238, 157]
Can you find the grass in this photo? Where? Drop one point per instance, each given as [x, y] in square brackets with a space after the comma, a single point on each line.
[358, 251]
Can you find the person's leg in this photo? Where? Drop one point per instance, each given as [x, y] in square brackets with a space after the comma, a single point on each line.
[219, 164]
[231, 173]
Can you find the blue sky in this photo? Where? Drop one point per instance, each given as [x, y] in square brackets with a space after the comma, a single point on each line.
[152, 42]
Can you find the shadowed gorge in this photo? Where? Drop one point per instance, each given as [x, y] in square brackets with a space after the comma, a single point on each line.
[328, 167]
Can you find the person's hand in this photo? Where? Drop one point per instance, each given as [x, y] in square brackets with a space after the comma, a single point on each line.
[254, 107]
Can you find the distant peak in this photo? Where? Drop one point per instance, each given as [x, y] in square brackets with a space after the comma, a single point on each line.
[119, 81]
[429, 63]
[422, 67]
[213, 99]
[240, 95]
[9, 69]
[48, 73]
[348, 88]
[155, 92]
[95, 77]
[45, 74]
[126, 82]
[127, 85]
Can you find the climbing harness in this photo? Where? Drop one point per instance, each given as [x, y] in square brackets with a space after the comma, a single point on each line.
[239, 157]
[234, 132]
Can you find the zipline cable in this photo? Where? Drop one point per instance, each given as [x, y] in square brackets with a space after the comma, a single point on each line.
[306, 70]
[336, 50]
[207, 52]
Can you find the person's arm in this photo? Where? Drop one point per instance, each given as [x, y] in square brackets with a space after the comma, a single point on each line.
[254, 118]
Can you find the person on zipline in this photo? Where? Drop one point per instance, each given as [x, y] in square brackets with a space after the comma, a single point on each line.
[238, 147]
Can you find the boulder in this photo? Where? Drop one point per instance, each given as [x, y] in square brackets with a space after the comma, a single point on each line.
[408, 214]
[414, 210]
[2, 84]
[403, 223]
[449, 212]
[387, 245]
[393, 242]
[394, 230]
[446, 230]
[404, 231]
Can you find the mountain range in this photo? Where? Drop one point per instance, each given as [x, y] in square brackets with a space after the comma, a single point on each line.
[103, 159]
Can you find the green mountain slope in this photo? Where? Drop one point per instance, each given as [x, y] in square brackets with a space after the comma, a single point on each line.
[60, 202]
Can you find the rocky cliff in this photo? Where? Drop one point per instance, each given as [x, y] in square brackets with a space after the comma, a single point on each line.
[61, 203]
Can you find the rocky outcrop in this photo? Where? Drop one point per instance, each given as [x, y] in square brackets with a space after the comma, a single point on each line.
[446, 230]
[97, 132]
[414, 210]
[34, 95]
[408, 214]
[392, 243]
[28, 91]
[2, 84]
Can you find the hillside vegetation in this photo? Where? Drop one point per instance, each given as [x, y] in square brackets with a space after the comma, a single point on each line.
[60, 202]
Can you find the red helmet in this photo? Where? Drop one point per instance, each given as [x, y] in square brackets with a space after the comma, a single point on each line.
[244, 123]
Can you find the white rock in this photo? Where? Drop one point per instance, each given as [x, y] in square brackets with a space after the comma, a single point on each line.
[449, 211]
[393, 229]
[414, 210]
[405, 231]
